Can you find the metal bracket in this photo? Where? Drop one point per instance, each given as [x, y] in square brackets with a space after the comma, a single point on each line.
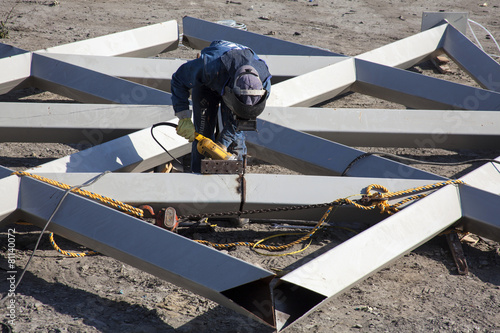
[221, 167]
[432, 19]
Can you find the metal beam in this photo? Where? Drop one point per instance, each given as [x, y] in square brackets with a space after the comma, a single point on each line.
[308, 154]
[157, 72]
[76, 123]
[199, 34]
[456, 19]
[16, 71]
[208, 272]
[393, 128]
[141, 42]
[480, 211]
[73, 123]
[136, 152]
[194, 193]
[480, 66]
[486, 177]
[9, 51]
[151, 72]
[314, 87]
[85, 85]
[420, 91]
[409, 51]
[10, 195]
[330, 273]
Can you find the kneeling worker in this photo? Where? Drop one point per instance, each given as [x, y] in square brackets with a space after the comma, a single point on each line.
[228, 74]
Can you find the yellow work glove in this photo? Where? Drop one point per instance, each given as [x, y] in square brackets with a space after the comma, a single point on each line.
[185, 128]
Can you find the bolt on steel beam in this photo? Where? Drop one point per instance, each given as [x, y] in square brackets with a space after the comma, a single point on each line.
[227, 280]
[199, 34]
[393, 128]
[308, 154]
[330, 273]
[141, 42]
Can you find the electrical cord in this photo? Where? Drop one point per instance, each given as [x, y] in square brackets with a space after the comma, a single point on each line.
[154, 138]
[92, 181]
[414, 160]
[489, 34]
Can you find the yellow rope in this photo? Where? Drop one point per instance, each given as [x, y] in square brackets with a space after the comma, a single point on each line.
[105, 200]
[380, 200]
[382, 205]
[67, 253]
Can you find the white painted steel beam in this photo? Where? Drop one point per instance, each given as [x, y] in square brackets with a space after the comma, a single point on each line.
[73, 123]
[393, 128]
[76, 123]
[171, 257]
[9, 51]
[355, 259]
[141, 42]
[151, 72]
[199, 34]
[311, 155]
[194, 193]
[486, 177]
[157, 72]
[480, 66]
[284, 67]
[136, 152]
[314, 87]
[480, 211]
[16, 71]
[409, 51]
[418, 91]
[85, 85]
[10, 194]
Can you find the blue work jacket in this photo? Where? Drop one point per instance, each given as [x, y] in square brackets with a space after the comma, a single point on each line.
[215, 68]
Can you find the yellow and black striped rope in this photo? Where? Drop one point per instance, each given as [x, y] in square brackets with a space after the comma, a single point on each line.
[258, 245]
[69, 253]
[105, 200]
[382, 205]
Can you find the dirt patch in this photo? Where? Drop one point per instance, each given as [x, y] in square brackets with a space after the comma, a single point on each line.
[420, 292]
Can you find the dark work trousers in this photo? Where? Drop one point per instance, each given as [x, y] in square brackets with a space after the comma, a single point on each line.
[205, 106]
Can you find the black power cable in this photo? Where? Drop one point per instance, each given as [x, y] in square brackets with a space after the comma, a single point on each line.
[154, 138]
[414, 160]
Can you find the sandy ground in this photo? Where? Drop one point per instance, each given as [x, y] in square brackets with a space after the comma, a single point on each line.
[420, 292]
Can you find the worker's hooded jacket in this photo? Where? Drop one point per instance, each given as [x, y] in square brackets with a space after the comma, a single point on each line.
[215, 69]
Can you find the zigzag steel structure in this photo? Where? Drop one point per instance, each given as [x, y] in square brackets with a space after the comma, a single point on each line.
[90, 72]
